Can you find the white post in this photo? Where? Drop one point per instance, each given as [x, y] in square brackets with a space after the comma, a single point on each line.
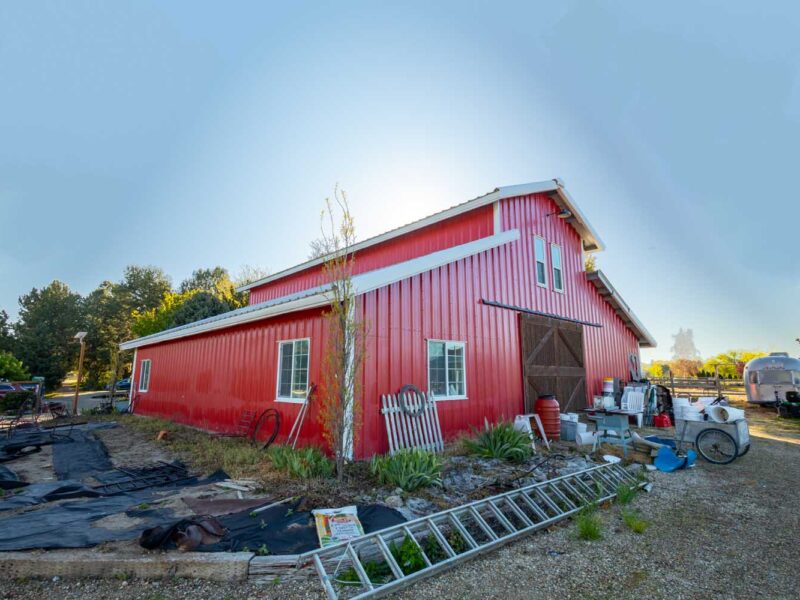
[133, 381]
[349, 378]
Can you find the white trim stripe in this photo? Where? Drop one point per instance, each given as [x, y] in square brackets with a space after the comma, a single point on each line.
[316, 297]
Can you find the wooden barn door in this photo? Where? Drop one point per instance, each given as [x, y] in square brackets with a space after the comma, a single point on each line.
[552, 361]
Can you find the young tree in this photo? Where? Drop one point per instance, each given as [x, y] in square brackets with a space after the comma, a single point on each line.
[49, 318]
[340, 408]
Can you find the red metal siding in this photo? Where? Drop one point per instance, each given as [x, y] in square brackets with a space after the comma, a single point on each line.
[445, 304]
[458, 230]
[209, 380]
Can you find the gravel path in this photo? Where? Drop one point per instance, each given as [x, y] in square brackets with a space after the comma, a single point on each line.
[714, 532]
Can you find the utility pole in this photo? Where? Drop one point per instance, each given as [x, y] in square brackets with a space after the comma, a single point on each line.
[79, 336]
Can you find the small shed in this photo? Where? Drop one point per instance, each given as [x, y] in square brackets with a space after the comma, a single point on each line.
[484, 305]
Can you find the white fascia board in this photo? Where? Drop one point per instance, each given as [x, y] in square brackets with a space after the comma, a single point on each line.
[646, 340]
[551, 185]
[591, 241]
[316, 297]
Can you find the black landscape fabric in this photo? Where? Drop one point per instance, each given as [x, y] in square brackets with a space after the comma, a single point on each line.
[9, 480]
[73, 523]
[281, 530]
[80, 456]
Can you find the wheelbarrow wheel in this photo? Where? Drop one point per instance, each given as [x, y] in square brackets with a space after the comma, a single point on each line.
[717, 446]
[744, 450]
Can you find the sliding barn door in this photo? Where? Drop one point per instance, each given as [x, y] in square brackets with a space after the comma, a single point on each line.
[552, 361]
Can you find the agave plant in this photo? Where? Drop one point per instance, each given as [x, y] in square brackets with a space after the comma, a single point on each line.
[408, 469]
[502, 441]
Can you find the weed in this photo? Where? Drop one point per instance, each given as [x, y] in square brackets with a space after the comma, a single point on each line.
[588, 523]
[254, 515]
[626, 493]
[262, 550]
[143, 506]
[634, 521]
[408, 469]
[502, 441]
[302, 463]
[122, 576]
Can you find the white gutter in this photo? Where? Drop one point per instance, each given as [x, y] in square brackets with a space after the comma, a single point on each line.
[316, 297]
[555, 187]
[611, 295]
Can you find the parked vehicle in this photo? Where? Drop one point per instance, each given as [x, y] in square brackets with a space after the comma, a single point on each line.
[772, 379]
[123, 385]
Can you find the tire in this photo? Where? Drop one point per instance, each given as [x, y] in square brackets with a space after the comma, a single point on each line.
[406, 389]
[262, 436]
[744, 450]
[717, 446]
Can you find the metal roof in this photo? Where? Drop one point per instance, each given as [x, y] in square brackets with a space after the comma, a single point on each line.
[611, 295]
[554, 187]
[317, 296]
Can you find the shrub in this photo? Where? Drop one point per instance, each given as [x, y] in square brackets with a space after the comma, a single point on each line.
[12, 401]
[303, 463]
[626, 493]
[634, 521]
[589, 526]
[408, 469]
[501, 441]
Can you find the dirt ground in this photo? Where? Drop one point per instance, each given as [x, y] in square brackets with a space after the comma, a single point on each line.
[714, 531]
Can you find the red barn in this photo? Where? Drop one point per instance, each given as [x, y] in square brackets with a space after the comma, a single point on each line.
[485, 305]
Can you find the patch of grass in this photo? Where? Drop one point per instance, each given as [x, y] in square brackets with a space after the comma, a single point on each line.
[408, 469]
[634, 521]
[626, 493]
[502, 441]
[262, 550]
[302, 463]
[588, 523]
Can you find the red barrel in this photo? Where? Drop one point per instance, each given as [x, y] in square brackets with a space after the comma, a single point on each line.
[550, 413]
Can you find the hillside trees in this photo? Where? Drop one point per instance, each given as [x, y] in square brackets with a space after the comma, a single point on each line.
[49, 318]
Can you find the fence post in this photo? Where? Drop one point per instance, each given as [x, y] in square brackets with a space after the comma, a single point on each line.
[716, 377]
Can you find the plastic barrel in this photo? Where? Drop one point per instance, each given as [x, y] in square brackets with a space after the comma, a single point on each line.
[550, 413]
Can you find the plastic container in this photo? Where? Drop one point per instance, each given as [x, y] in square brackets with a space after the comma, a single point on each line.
[569, 430]
[549, 412]
[662, 421]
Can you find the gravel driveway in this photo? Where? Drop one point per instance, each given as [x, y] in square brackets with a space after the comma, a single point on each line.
[715, 532]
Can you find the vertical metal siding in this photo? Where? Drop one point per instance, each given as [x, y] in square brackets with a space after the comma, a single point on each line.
[209, 380]
[464, 228]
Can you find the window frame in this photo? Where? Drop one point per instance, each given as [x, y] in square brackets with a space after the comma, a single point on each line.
[144, 382]
[553, 246]
[292, 400]
[545, 284]
[446, 343]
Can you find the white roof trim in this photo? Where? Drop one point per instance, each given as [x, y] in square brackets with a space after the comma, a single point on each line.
[555, 187]
[611, 295]
[316, 297]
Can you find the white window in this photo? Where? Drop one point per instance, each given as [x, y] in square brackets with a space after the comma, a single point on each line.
[293, 370]
[555, 261]
[144, 375]
[541, 265]
[447, 375]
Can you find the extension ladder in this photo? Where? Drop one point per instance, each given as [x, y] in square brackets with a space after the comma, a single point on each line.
[367, 567]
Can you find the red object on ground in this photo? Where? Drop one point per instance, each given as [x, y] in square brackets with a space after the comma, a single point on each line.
[550, 413]
[662, 421]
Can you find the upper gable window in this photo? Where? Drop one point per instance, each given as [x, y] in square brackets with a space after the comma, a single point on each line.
[555, 261]
[541, 264]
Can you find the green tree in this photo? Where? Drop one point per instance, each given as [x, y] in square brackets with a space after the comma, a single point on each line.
[144, 286]
[731, 363]
[49, 318]
[159, 318]
[107, 320]
[199, 305]
[7, 341]
[216, 282]
[12, 369]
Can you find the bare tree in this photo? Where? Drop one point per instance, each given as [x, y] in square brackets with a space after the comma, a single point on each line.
[340, 408]
[318, 248]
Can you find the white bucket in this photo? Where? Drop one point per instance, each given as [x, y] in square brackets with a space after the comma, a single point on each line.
[724, 414]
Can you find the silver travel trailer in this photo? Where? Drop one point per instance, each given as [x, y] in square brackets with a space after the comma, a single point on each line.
[769, 379]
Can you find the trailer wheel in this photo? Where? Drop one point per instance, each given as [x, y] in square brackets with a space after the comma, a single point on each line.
[717, 446]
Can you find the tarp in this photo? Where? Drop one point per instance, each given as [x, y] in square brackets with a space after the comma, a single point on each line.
[80, 456]
[9, 480]
[72, 524]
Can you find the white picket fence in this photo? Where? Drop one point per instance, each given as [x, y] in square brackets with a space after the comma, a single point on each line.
[416, 426]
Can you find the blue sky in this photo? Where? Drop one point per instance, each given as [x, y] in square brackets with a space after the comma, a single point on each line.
[188, 134]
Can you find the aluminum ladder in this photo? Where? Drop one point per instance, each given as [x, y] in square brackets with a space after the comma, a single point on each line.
[368, 566]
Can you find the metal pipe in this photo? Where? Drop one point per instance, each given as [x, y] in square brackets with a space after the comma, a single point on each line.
[530, 311]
